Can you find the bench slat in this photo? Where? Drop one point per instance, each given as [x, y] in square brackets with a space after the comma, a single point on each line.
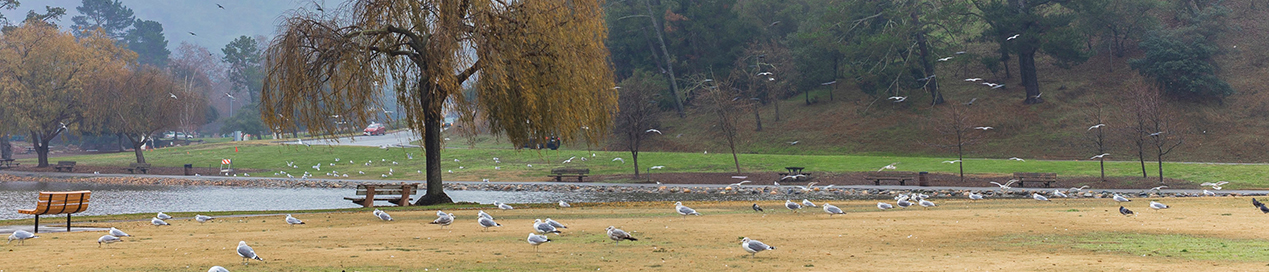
[60, 203]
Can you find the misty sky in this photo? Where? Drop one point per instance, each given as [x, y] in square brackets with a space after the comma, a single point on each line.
[215, 27]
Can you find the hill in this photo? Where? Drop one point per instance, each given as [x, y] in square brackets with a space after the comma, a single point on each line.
[1229, 130]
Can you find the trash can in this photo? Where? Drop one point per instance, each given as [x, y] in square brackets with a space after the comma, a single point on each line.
[921, 180]
[189, 169]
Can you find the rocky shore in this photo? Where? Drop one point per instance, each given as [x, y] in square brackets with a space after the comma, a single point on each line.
[854, 192]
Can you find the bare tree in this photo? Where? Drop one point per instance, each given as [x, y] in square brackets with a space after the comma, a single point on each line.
[1097, 135]
[722, 101]
[956, 128]
[1164, 132]
[638, 112]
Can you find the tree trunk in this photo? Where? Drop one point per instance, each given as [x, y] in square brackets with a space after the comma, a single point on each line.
[932, 86]
[136, 147]
[777, 105]
[674, 85]
[119, 142]
[1004, 59]
[960, 156]
[757, 118]
[6, 149]
[1103, 165]
[41, 148]
[1141, 156]
[1160, 157]
[1030, 81]
[432, 150]
[634, 155]
[732, 143]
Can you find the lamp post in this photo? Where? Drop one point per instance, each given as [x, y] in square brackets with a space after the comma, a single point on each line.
[231, 104]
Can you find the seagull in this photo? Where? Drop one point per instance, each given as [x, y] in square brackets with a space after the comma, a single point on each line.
[684, 210]
[945, 59]
[443, 219]
[1096, 126]
[106, 239]
[487, 222]
[808, 203]
[1119, 198]
[926, 203]
[884, 206]
[1017, 159]
[764, 73]
[952, 161]
[383, 216]
[619, 159]
[656, 167]
[1216, 185]
[983, 128]
[770, 79]
[960, 52]
[973, 79]
[998, 86]
[1059, 194]
[163, 216]
[898, 99]
[1099, 156]
[172, 95]
[831, 210]
[21, 236]
[564, 204]
[652, 130]
[989, 84]
[739, 183]
[118, 233]
[158, 222]
[793, 142]
[903, 203]
[617, 235]
[756, 208]
[1157, 133]
[555, 224]
[503, 206]
[1006, 185]
[1015, 36]
[482, 214]
[1039, 197]
[828, 83]
[889, 167]
[1125, 211]
[754, 246]
[191, 33]
[971, 102]
[1157, 205]
[973, 196]
[544, 227]
[247, 253]
[570, 159]
[1156, 189]
[792, 206]
[1208, 193]
[219, 6]
[217, 269]
[536, 240]
[291, 220]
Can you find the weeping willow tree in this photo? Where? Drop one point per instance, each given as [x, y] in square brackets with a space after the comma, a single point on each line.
[539, 69]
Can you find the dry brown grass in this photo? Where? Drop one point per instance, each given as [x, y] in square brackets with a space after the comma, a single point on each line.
[1010, 235]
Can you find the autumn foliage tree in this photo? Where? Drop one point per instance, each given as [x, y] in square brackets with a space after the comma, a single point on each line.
[542, 69]
[637, 112]
[143, 102]
[43, 72]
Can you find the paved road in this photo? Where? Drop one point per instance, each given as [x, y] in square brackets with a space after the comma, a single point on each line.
[401, 138]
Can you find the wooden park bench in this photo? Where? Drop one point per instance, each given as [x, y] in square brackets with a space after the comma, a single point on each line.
[901, 177]
[8, 163]
[69, 166]
[1047, 178]
[58, 203]
[580, 173]
[133, 168]
[396, 193]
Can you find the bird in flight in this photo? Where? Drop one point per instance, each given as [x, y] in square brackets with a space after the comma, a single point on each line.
[619, 159]
[1006, 185]
[828, 83]
[945, 59]
[1015, 36]
[219, 6]
[172, 95]
[1096, 126]
[973, 79]
[650, 130]
[657, 167]
[890, 167]
[1157, 133]
[1158, 188]
[191, 33]
[1099, 156]
[1216, 185]
[971, 102]
[898, 99]
[952, 161]
[793, 143]
[764, 73]
[1016, 159]
[983, 128]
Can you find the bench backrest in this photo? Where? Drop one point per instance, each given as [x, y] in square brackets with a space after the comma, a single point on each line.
[135, 165]
[62, 202]
[388, 189]
[891, 174]
[570, 171]
[66, 163]
[1035, 175]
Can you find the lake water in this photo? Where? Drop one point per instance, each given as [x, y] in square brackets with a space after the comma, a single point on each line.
[125, 199]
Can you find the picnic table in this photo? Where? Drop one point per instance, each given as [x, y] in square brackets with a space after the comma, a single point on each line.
[795, 174]
[8, 163]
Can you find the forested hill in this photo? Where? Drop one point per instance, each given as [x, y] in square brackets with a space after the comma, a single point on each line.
[864, 76]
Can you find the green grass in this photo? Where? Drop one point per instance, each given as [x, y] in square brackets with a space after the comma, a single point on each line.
[478, 163]
[1159, 245]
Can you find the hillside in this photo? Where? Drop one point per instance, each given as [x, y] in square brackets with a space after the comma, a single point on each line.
[854, 123]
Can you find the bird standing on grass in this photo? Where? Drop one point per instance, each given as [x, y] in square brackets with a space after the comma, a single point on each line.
[754, 246]
[831, 210]
[1157, 206]
[486, 222]
[792, 206]
[564, 204]
[106, 239]
[539, 226]
[808, 203]
[443, 219]
[1039, 197]
[247, 253]
[21, 236]
[1119, 198]
[617, 235]
[536, 240]
[1125, 211]
[118, 233]
[684, 210]
[291, 220]
[158, 222]
[202, 218]
[884, 206]
[756, 208]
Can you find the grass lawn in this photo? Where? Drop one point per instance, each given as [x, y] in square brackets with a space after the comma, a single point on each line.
[1196, 234]
[477, 164]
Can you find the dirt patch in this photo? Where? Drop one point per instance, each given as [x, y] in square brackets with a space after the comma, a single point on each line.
[860, 178]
